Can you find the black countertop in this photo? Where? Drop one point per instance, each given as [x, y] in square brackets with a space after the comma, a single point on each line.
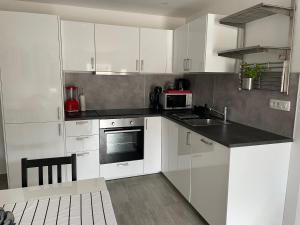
[230, 135]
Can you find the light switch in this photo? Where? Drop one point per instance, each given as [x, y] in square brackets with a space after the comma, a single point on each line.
[280, 105]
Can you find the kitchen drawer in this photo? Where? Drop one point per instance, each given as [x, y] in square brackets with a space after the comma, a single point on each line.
[87, 165]
[82, 143]
[121, 170]
[82, 128]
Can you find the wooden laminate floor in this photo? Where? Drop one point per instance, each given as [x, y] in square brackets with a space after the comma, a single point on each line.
[3, 181]
[150, 200]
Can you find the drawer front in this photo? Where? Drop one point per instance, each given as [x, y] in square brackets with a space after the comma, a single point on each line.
[82, 143]
[87, 165]
[82, 128]
[121, 170]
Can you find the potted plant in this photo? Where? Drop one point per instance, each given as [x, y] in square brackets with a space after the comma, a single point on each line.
[249, 73]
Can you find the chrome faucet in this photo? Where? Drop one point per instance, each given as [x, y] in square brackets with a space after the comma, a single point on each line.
[224, 113]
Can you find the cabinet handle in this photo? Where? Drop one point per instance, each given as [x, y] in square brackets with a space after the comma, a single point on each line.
[137, 65]
[92, 62]
[142, 65]
[146, 124]
[189, 64]
[81, 138]
[58, 113]
[188, 138]
[123, 164]
[81, 122]
[206, 142]
[59, 129]
[82, 154]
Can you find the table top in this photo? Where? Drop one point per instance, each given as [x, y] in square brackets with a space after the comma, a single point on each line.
[74, 203]
[37, 192]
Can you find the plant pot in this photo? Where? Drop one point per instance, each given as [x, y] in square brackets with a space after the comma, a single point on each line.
[247, 83]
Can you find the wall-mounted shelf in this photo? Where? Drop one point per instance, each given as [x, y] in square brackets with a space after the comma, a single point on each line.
[256, 12]
[239, 53]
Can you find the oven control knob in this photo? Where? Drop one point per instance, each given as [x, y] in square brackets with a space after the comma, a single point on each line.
[131, 122]
[113, 123]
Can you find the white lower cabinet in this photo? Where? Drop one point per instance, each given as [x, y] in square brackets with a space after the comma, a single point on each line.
[83, 140]
[87, 165]
[209, 179]
[32, 141]
[122, 169]
[152, 145]
[227, 186]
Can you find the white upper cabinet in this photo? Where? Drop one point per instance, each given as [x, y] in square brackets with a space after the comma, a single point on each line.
[180, 49]
[156, 50]
[197, 43]
[295, 68]
[117, 48]
[78, 46]
[30, 67]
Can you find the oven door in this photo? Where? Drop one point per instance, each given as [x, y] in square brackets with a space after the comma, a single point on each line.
[176, 101]
[121, 144]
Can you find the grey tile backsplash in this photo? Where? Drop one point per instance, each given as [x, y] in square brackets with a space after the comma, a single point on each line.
[218, 90]
[249, 108]
[117, 92]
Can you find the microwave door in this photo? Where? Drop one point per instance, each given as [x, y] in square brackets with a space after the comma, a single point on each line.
[176, 101]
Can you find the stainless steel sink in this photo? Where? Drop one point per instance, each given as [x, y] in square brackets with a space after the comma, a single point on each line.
[205, 122]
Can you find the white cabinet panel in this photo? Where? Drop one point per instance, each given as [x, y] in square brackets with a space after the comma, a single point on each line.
[209, 179]
[197, 44]
[152, 145]
[30, 67]
[180, 49]
[78, 46]
[296, 42]
[164, 146]
[155, 51]
[82, 128]
[183, 171]
[38, 140]
[82, 143]
[117, 48]
[122, 169]
[87, 165]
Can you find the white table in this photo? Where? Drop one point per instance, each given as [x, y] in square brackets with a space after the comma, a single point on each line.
[72, 203]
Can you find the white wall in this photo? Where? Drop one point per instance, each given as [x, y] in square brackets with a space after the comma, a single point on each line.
[94, 15]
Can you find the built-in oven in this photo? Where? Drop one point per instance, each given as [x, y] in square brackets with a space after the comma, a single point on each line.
[121, 140]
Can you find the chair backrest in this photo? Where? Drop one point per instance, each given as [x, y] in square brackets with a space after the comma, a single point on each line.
[49, 162]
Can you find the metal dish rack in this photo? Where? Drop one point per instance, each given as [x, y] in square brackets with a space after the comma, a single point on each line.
[275, 75]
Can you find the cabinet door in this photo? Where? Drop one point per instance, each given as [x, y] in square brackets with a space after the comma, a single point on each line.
[197, 44]
[219, 37]
[87, 165]
[117, 48]
[172, 137]
[296, 44]
[32, 141]
[152, 150]
[183, 172]
[30, 67]
[209, 179]
[78, 46]
[164, 146]
[180, 49]
[155, 50]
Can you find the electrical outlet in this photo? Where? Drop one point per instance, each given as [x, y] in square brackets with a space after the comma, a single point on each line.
[280, 105]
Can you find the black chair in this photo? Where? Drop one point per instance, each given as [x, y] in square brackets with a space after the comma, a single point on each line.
[49, 162]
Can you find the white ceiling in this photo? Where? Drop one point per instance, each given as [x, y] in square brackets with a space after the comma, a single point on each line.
[175, 8]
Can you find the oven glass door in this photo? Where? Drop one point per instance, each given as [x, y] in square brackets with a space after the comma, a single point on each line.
[176, 101]
[121, 144]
